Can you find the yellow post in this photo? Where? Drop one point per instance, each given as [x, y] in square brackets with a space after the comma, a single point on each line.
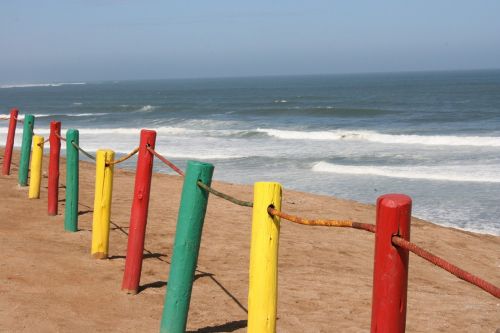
[36, 167]
[102, 204]
[263, 281]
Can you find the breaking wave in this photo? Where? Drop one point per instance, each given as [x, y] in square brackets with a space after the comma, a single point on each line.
[35, 85]
[372, 136]
[476, 173]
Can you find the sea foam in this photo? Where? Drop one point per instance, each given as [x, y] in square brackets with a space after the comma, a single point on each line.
[373, 136]
[147, 108]
[476, 173]
[36, 85]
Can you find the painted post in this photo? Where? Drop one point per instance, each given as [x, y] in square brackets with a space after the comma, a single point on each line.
[55, 151]
[263, 280]
[186, 247]
[36, 167]
[72, 174]
[139, 214]
[29, 124]
[9, 144]
[102, 203]
[390, 274]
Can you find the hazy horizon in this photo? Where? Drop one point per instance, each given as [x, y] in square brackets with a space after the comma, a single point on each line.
[6, 84]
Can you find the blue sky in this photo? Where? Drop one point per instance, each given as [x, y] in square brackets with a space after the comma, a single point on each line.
[82, 40]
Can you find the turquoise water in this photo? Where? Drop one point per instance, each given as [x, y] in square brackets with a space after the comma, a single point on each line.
[434, 136]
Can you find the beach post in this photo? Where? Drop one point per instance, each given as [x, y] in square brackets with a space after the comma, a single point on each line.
[36, 167]
[263, 280]
[102, 203]
[72, 174]
[55, 152]
[186, 247]
[9, 144]
[390, 273]
[29, 123]
[139, 213]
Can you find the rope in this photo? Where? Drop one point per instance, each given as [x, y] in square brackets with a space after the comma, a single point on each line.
[44, 142]
[447, 266]
[83, 151]
[324, 223]
[164, 160]
[59, 137]
[403, 243]
[225, 196]
[124, 158]
[200, 184]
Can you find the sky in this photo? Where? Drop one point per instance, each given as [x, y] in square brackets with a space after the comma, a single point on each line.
[92, 40]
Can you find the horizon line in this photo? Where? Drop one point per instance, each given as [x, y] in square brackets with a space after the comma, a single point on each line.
[255, 76]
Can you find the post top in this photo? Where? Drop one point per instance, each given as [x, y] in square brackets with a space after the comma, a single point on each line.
[199, 163]
[394, 200]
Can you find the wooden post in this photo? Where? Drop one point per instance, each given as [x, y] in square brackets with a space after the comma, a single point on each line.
[139, 214]
[186, 247]
[102, 203]
[9, 144]
[29, 123]
[390, 273]
[55, 151]
[36, 167]
[263, 281]
[72, 174]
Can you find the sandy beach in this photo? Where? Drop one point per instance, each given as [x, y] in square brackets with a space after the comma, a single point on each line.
[50, 283]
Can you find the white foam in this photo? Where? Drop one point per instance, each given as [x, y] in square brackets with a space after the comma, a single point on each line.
[372, 136]
[199, 156]
[147, 108]
[280, 101]
[82, 114]
[37, 115]
[34, 85]
[458, 173]
[43, 115]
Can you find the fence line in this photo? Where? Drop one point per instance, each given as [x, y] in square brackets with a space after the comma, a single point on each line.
[124, 158]
[82, 150]
[447, 266]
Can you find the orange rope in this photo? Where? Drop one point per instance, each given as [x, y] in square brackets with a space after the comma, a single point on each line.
[124, 158]
[325, 223]
[167, 162]
[447, 266]
[60, 137]
[44, 142]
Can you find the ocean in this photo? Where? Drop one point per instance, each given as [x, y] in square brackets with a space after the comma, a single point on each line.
[432, 135]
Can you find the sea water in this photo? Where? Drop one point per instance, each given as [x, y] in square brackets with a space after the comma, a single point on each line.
[432, 135]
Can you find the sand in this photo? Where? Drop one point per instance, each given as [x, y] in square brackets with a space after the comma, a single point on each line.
[50, 283]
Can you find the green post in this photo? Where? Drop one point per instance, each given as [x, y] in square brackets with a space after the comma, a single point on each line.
[186, 247]
[72, 161]
[29, 124]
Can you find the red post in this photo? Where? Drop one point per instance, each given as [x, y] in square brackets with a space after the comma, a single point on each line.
[55, 151]
[139, 214]
[9, 145]
[390, 273]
